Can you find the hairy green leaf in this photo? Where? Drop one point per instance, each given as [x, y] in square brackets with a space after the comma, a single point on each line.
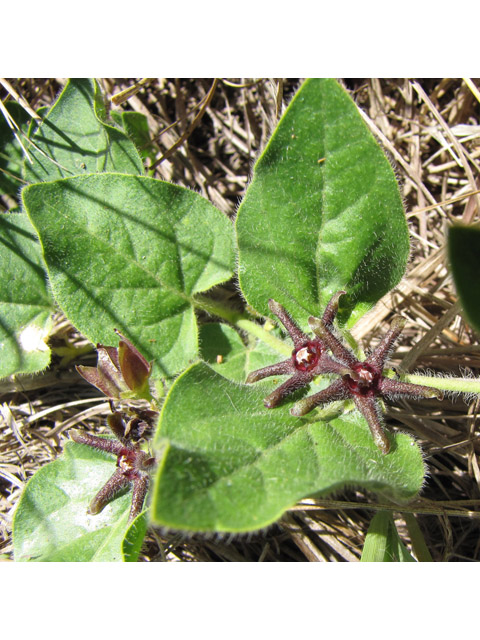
[74, 138]
[464, 255]
[133, 540]
[131, 253]
[51, 521]
[323, 212]
[135, 126]
[25, 302]
[232, 465]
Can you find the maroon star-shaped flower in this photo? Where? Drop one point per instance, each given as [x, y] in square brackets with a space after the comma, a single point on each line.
[362, 381]
[122, 372]
[309, 357]
[133, 466]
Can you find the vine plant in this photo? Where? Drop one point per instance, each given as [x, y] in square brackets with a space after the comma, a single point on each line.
[319, 238]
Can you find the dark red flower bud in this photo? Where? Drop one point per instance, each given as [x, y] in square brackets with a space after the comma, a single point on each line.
[119, 371]
[106, 376]
[135, 368]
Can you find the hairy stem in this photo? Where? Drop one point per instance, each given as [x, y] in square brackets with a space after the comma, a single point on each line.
[217, 309]
[242, 321]
[456, 385]
[259, 332]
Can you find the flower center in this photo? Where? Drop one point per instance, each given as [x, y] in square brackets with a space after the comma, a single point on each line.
[126, 462]
[366, 380]
[306, 357]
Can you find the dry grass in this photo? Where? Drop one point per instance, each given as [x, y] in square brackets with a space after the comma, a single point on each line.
[207, 135]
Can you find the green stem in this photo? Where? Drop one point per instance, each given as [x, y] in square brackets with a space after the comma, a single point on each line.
[259, 332]
[216, 309]
[456, 385]
[241, 321]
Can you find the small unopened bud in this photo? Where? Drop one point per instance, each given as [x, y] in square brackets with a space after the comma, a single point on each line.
[134, 367]
[106, 376]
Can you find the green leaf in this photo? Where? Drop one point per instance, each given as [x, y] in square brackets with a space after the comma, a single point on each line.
[237, 359]
[232, 465]
[11, 153]
[132, 543]
[51, 521]
[75, 139]
[464, 256]
[135, 126]
[382, 542]
[323, 212]
[25, 302]
[131, 253]
[417, 538]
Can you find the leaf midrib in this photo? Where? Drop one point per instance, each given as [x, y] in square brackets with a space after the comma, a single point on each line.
[128, 260]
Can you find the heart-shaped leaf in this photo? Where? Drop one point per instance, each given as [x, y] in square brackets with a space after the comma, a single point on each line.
[26, 304]
[323, 212]
[51, 521]
[232, 465]
[74, 138]
[130, 253]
